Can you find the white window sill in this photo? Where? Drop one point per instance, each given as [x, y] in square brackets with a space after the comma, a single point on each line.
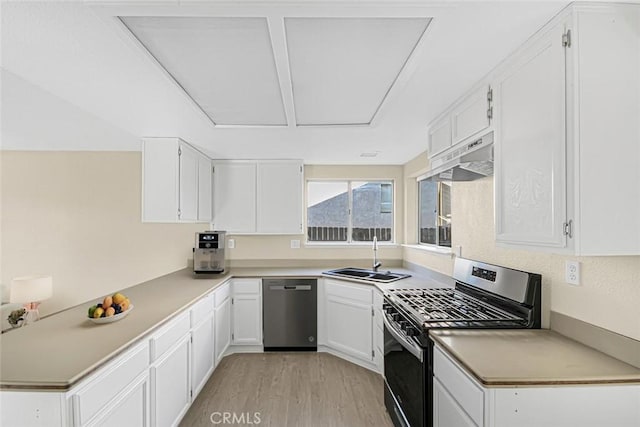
[439, 250]
[358, 245]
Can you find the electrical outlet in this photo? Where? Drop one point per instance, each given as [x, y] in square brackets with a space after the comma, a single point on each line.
[458, 250]
[295, 244]
[572, 272]
[231, 243]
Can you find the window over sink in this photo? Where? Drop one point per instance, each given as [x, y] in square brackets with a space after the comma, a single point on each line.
[434, 212]
[349, 211]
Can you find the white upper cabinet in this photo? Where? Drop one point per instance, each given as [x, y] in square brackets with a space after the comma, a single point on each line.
[235, 197]
[176, 182]
[280, 197]
[472, 115]
[530, 185]
[189, 161]
[605, 129]
[568, 179]
[440, 135]
[205, 189]
[262, 197]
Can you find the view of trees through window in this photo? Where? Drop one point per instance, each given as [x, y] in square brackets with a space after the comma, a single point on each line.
[349, 211]
[434, 219]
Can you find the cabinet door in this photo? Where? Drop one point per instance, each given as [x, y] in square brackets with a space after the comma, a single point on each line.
[160, 190]
[222, 329]
[349, 320]
[131, 409]
[205, 193]
[471, 115]
[279, 197]
[235, 197]
[349, 327]
[247, 320]
[170, 386]
[530, 182]
[188, 183]
[440, 136]
[446, 411]
[202, 354]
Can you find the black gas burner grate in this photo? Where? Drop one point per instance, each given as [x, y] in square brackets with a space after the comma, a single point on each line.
[445, 307]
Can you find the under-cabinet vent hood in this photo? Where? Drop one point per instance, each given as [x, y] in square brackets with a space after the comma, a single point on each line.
[464, 162]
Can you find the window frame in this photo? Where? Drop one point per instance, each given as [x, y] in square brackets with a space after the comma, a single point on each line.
[438, 199]
[349, 242]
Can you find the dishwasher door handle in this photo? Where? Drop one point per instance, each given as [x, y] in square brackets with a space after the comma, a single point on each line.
[290, 287]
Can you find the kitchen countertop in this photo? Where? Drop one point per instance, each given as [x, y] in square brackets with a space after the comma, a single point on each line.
[74, 347]
[531, 357]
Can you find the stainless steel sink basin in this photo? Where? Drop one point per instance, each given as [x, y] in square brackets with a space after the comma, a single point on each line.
[360, 273]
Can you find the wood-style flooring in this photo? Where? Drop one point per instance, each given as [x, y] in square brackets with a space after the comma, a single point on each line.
[290, 389]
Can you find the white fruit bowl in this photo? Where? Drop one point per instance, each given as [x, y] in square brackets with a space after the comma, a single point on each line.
[113, 318]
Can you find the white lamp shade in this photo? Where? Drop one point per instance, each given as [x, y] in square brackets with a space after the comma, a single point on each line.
[31, 289]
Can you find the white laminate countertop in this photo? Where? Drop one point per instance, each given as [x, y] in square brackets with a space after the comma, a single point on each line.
[60, 350]
[531, 357]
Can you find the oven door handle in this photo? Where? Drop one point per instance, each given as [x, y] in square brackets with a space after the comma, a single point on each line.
[411, 347]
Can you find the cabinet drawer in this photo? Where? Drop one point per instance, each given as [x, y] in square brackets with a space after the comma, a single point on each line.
[221, 294]
[100, 389]
[201, 310]
[360, 293]
[459, 385]
[246, 286]
[170, 334]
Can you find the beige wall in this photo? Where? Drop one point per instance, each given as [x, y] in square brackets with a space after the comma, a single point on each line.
[76, 216]
[279, 247]
[609, 295]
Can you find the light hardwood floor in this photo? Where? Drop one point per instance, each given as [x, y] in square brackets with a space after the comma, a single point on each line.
[290, 389]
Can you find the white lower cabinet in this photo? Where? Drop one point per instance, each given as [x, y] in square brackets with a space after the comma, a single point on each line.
[446, 410]
[130, 408]
[108, 388]
[202, 354]
[460, 400]
[222, 321]
[246, 312]
[170, 385]
[348, 319]
[378, 331]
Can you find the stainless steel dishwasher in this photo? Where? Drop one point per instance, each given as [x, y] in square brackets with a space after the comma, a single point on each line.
[289, 310]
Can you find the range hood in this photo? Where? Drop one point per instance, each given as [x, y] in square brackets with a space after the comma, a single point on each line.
[464, 162]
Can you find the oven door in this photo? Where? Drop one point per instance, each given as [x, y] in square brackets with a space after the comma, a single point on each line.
[405, 370]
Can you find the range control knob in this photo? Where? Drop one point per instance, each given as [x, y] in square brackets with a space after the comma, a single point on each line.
[404, 325]
[389, 309]
[395, 316]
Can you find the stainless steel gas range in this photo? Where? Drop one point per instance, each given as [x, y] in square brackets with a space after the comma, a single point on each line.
[485, 296]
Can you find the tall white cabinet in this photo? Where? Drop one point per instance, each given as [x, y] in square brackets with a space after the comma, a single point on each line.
[568, 129]
[176, 182]
[530, 178]
[258, 197]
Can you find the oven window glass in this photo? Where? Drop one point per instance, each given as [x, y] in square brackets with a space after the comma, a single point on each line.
[434, 219]
[406, 378]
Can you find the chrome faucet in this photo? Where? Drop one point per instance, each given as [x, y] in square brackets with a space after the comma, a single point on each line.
[376, 264]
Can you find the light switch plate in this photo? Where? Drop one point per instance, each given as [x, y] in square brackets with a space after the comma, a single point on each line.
[572, 272]
[295, 244]
[231, 243]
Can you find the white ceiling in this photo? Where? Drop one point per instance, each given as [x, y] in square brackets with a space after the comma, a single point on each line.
[302, 63]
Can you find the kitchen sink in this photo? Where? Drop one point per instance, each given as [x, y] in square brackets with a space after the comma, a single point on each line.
[360, 273]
